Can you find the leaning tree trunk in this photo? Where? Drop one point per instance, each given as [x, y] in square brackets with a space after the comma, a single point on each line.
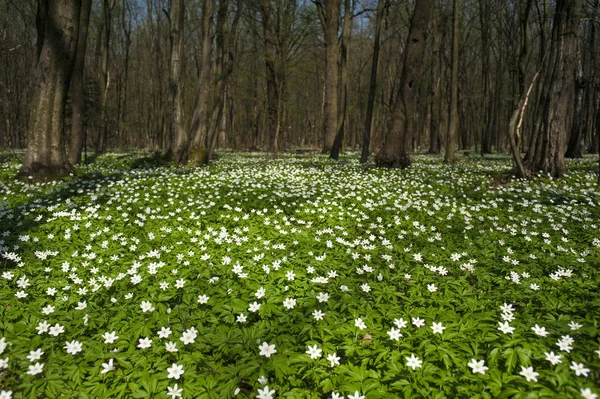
[57, 29]
[77, 87]
[395, 151]
[178, 143]
[547, 155]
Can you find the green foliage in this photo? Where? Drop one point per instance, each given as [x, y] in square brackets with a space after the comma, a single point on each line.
[135, 248]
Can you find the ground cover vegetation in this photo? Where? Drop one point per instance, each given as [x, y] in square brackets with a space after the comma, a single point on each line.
[299, 278]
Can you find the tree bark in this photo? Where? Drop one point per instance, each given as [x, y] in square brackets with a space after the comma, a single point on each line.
[58, 25]
[271, 77]
[453, 107]
[547, 155]
[486, 123]
[577, 127]
[344, 46]
[381, 5]
[78, 86]
[395, 151]
[178, 138]
[329, 13]
[199, 127]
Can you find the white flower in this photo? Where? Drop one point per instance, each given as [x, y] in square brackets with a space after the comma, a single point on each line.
[56, 330]
[4, 363]
[417, 322]
[171, 347]
[360, 324]
[323, 297]
[48, 310]
[413, 362]
[400, 323]
[529, 374]
[42, 327]
[318, 315]
[552, 358]
[265, 393]
[478, 366]
[189, 336]
[144, 343]
[254, 307]
[336, 396]
[175, 371]
[267, 350]
[540, 330]
[5, 394]
[506, 328]
[109, 338]
[174, 392]
[356, 395]
[575, 326]
[146, 306]
[241, 318]
[579, 369]
[289, 303]
[394, 334]
[35, 369]
[314, 352]
[365, 287]
[588, 394]
[438, 328]
[334, 359]
[263, 380]
[431, 287]
[35, 355]
[202, 299]
[260, 293]
[81, 305]
[164, 332]
[108, 366]
[73, 347]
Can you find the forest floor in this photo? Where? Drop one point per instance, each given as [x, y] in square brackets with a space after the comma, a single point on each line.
[300, 278]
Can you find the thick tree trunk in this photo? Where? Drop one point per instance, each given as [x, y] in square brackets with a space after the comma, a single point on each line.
[329, 13]
[178, 138]
[271, 77]
[395, 151]
[199, 127]
[344, 45]
[453, 107]
[373, 82]
[78, 86]
[547, 155]
[58, 27]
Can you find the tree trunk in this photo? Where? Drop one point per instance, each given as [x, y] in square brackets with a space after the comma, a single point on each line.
[178, 138]
[199, 128]
[577, 128]
[271, 77]
[329, 13]
[395, 151]
[107, 7]
[381, 5]
[453, 107]
[58, 25]
[547, 155]
[486, 123]
[344, 43]
[77, 87]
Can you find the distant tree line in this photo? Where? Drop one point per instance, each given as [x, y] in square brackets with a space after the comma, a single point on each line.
[384, 77]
